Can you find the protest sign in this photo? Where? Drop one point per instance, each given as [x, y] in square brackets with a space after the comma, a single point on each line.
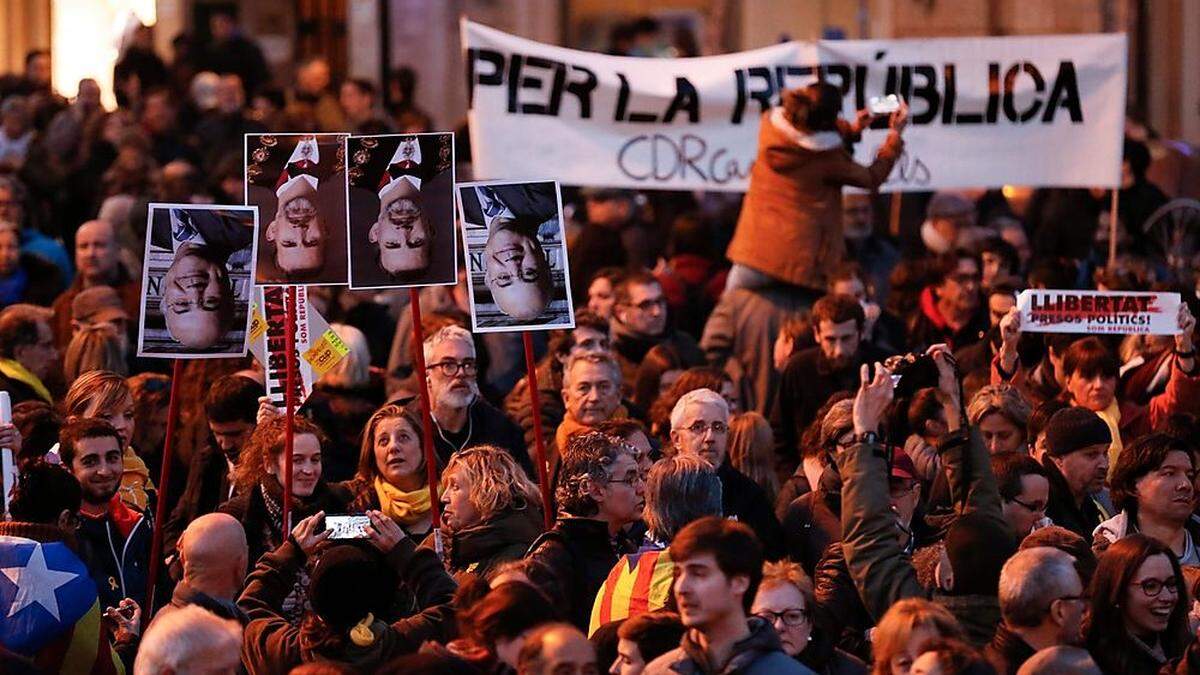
[317, 347]
[400, 210]
[1041, 110]
[1048, 311]
[516, 256]
[196, 281]
[298, 181]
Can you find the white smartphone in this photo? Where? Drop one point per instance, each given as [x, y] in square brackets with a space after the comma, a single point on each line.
[347, 526]
[883, 105]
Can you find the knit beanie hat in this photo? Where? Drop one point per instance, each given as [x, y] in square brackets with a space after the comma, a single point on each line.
[1075, 428]
[349, 582]
[977, 549]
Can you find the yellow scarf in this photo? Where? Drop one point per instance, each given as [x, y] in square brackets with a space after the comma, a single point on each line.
[13, 370]
[406, 508]
[1112, 417]
[135, 480]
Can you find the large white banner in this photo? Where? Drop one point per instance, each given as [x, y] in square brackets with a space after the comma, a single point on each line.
[1043, 110]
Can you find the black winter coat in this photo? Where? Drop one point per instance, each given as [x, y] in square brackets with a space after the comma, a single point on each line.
[745, 500]
[578, 554]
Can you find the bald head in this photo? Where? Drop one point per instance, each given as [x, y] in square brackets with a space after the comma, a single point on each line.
[96, 253]
[555, 648]
[213, 551]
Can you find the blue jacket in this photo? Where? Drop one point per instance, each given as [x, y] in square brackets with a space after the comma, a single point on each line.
[118, 564]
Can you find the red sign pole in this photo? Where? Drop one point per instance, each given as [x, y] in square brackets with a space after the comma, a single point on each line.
[543, 468]
[431, 470]
[164, 477]
[289, 294]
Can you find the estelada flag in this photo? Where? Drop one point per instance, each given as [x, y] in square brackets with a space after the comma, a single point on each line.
[50, 617]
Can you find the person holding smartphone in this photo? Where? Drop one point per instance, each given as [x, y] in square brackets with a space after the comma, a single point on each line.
[790, 228]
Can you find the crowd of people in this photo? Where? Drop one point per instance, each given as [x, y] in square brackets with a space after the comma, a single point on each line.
[787, 434]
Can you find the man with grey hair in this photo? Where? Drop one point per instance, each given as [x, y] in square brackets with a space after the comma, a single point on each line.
[599, 492]
[679, 489]
[190, 641]
[461, 417]
[700, 426]
[591, 394]
[813, 521]
[1041, 603]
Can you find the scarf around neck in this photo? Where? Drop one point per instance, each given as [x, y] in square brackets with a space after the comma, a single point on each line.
[406, 508]
[1112, 417]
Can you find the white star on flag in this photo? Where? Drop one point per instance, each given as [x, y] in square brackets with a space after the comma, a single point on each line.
[36, 583]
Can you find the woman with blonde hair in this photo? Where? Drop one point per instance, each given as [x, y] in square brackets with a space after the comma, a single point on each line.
[905, 630]
[105, 395]
[391, 475]
[752, 451]
[94, 348]
[491, 511]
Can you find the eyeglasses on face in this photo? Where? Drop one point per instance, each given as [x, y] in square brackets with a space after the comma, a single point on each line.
[1036, 507]
[450, 367]
[632, 478]
[650, 304]
[699, 427]
[1152, 587]
[791, 618]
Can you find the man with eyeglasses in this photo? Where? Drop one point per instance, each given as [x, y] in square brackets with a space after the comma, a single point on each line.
[591, 394]
[1042, 603]
[1152, 485]
[28, 357]
[950, 310]
[700, 426]
[639, 322]
[600, 490]
[1024, 491]
[461, 417]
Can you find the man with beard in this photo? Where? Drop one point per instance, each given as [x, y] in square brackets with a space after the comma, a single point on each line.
[812, 375]
[197, 296]
[700, 426]
[401, 231]
[461, 417]
[515, 269]
[114, 539]
[230, 406]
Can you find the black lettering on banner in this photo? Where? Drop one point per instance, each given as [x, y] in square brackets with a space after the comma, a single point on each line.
[687, 99]
[1039, 85]
[928, 93]
[1065, 93]
[839, 70]
[765, 97]
[582, 90]
[623, 94]
[492, 79]
[533, 80]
